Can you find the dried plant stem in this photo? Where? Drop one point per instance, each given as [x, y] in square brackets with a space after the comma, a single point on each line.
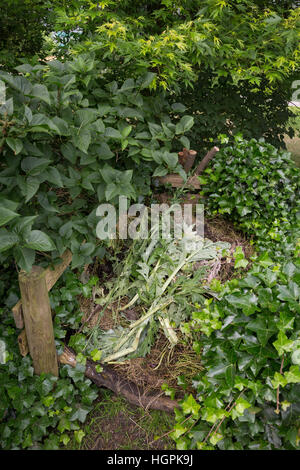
[278, 388]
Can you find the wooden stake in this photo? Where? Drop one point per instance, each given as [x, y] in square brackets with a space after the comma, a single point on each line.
[52, 275]
[187, 158]
[204, 163]
[38, 320]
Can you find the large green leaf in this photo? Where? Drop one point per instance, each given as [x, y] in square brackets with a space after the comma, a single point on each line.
[7, 241]
[41, 92]
[185, 124]
[37, 240]
[104, 152]
[34, 165]
[15, 144]
[82, 139]
[24, 257]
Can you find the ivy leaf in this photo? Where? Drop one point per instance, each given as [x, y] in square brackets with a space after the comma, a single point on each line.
[240, 406]
[286, 321]
[293, 375]
[264, 260]
[79, 435]
[247, 302]
[230, 375]
[96, 355]
[283, 344]
[290, 292]
[190, 406]
[241, 263]
[289, 269]
[64, 424]
[80, 413]
[215, 438]
[279, 380]
[179, 430]
[296, 357]
[262, 329]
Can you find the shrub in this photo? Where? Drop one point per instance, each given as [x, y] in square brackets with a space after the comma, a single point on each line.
[256, 186]
[230, 109]
[69, 141]
[22, 26]
[42, 412]
[247, 397]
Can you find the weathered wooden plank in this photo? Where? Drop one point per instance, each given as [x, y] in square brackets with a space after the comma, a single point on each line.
[52, 276]
[38, 320]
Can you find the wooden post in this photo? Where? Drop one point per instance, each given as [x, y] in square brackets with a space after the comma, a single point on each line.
[51, 276]
[186, 159]
[38, 320]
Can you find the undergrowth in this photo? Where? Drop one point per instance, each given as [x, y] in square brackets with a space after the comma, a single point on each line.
[247, 397]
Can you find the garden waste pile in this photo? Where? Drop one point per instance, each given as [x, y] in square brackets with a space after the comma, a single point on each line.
[155, 289]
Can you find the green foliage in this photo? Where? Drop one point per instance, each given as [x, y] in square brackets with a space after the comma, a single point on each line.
[40, 412]
[245, 40]
[22, 25]
[70, 141]
[256, 186]
[232, 109]
[231, 63]
[248, 395]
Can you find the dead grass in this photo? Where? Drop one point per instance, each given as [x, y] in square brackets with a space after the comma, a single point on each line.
[219, 229]
[163, 365]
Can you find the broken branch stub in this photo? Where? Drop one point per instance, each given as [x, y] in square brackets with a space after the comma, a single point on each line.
[110, 379]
